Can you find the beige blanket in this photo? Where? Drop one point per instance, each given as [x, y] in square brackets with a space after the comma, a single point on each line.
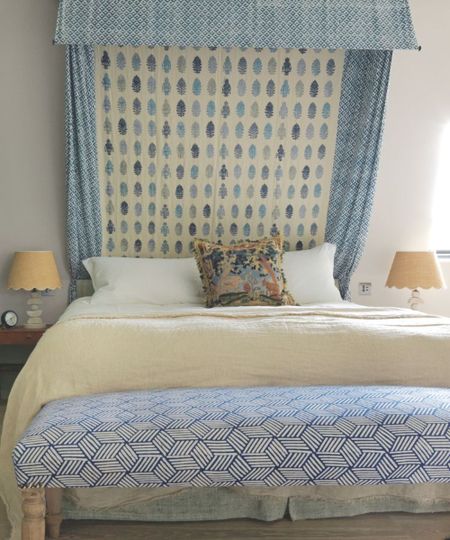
[97, 349]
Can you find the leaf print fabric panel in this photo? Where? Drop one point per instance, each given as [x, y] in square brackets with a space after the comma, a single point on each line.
[223, 144]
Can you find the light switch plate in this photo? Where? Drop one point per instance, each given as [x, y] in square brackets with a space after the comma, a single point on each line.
[365, 288]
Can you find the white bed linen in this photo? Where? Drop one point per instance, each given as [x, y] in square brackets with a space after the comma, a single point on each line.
[97, 348]
[84, 307]
[309, 274]
[159, 281]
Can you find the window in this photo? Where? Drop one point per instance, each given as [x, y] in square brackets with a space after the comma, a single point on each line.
[441, 213]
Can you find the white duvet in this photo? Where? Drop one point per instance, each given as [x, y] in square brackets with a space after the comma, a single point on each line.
[98, 348]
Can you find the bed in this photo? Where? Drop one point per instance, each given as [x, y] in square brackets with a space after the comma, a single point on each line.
[93, 345]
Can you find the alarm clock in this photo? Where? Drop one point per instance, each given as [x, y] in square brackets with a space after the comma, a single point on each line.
[9, 319]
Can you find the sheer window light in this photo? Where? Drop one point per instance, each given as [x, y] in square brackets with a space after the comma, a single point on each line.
[441, 213]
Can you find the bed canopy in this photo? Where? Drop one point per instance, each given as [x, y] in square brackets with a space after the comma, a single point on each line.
[225, 120]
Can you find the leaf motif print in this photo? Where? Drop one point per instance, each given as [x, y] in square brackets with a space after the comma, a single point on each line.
[151, 63]
[197, 64]
[287, 67]
[242, 66]
[105, 61]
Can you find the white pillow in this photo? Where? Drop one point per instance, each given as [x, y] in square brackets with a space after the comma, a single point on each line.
[153, 281]
[309, 275]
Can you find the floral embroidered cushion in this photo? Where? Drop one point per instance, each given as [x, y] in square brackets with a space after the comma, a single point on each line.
[245, 274]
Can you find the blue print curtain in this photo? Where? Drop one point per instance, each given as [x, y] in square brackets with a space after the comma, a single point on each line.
[84, 228]
[361, 119]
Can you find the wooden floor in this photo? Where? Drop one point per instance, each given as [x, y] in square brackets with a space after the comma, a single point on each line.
[369, 527]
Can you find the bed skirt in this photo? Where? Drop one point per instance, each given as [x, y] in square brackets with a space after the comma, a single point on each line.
[202, 504]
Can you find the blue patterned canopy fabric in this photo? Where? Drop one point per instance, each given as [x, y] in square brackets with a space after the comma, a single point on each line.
[239, 437]
[345, 24]
[361, 119]
[84, 237]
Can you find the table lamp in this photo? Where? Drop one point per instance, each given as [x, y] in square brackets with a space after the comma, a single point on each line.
[34, 271]
[414, 270]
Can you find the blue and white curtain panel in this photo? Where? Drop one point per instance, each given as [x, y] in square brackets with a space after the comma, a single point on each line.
[225, 144]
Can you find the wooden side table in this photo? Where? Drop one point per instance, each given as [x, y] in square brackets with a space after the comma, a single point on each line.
[19, 336]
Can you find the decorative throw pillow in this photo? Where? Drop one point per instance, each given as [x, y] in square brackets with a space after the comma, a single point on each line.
[245, 274]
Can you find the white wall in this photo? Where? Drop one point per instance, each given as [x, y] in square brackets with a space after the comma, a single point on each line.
[32, 200]
[418, 108]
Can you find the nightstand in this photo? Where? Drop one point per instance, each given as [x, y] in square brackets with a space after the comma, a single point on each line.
[19, 336]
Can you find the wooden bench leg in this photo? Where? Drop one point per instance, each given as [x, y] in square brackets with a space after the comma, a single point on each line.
[33, 506]
[53, 517]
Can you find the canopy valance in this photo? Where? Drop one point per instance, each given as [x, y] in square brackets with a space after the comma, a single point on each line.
[324, 24]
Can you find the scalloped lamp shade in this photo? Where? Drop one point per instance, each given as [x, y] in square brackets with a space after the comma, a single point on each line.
[415, 269]
[34, 270]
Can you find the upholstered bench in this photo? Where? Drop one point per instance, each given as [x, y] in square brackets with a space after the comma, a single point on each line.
[231, 437]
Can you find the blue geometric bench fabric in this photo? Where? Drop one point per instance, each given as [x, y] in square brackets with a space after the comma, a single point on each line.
[240, 437]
